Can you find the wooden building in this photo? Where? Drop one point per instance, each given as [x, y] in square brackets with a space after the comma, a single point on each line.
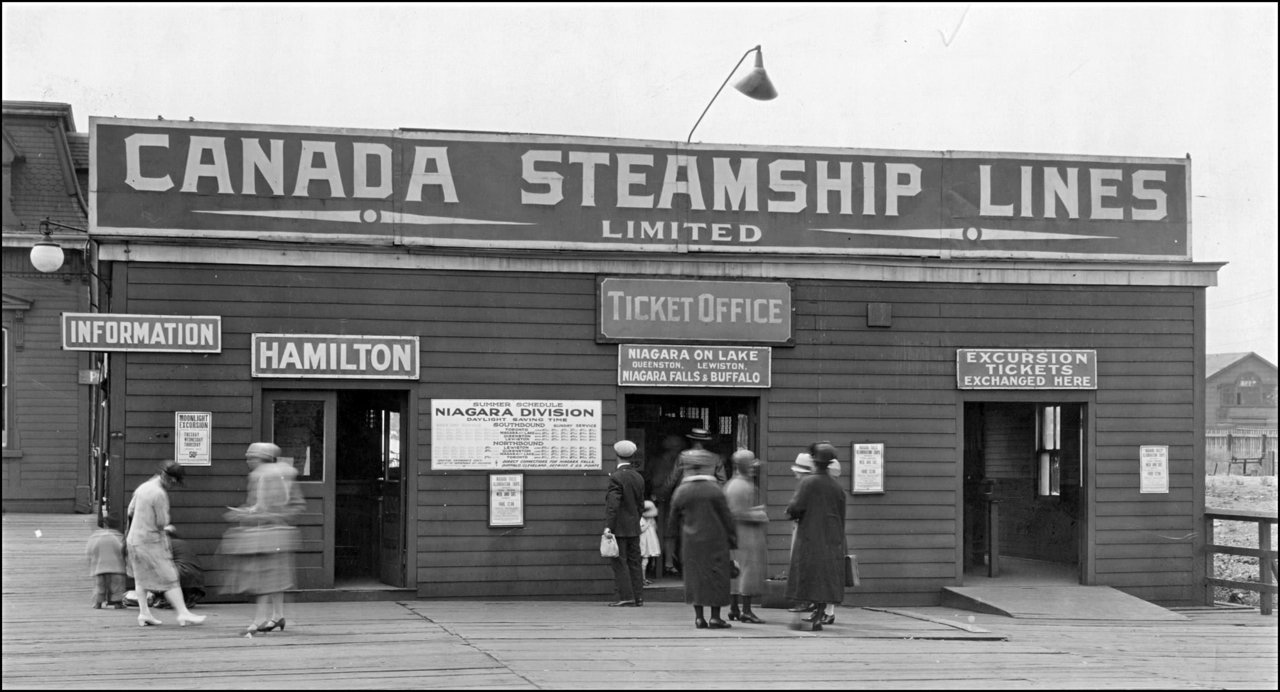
[447, 331]
[49, 455]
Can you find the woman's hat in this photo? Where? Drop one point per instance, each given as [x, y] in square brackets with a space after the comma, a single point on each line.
[650, 509]
[804, 463]
[174, 471]
[262, 450]
[700, 434]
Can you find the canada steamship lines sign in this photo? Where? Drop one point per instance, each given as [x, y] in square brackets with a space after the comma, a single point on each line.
[216, 180]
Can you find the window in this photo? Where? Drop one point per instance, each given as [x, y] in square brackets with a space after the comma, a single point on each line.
[1049, 450]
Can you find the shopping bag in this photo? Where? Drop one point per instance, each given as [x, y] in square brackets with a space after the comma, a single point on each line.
[608, 545]
[851, 576]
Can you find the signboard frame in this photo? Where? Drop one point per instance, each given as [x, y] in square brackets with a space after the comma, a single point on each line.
[104, 321]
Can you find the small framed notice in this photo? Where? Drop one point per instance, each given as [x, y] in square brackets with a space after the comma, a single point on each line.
[506, 499]
[1153, 461]
[193, 438]
[868, 467]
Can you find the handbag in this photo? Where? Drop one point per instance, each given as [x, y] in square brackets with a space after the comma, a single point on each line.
[851, 576]
[608, 545]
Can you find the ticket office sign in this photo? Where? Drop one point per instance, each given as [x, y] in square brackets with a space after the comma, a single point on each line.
[506, 434]
[694, 366]
[655, 310]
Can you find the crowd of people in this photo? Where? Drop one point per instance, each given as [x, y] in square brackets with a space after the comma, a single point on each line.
[715, 530]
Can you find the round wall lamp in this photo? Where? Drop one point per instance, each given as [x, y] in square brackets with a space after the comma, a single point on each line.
[46, 254]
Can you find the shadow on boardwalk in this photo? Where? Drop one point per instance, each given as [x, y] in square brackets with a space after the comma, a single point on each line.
[53, 639]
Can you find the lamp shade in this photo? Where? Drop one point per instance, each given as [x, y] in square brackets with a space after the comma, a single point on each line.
[46, 256]
[756, 84]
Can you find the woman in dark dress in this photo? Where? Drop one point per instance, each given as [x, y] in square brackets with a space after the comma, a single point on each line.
[704, 527]
[816, 574]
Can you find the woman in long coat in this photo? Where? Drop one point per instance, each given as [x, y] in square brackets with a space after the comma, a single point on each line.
[701, 522]
[751, 519]
[817, 559]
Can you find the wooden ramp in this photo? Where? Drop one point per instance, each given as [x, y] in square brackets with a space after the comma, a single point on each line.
[1055, 602]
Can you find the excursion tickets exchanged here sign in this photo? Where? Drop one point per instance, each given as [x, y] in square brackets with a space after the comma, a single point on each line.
[694, 366]
[474, 434]
[190, 180]
[1006, 368]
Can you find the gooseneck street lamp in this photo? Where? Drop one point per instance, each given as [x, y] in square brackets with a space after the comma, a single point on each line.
[755, 85]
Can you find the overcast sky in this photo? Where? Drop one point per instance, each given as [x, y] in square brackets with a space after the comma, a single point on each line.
[1098, 79]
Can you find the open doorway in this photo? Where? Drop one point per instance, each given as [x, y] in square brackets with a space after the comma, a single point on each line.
[369, 502]
[1023, 467]
[658, 425]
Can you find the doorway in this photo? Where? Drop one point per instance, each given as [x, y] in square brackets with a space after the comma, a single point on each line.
[657, 424]
[1025, 461]
[349, 449]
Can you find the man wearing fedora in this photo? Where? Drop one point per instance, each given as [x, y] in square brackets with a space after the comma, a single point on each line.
[622, 505]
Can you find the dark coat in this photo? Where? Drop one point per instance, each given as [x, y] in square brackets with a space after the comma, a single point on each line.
[817, 558]
[701, 521]
[623, 502]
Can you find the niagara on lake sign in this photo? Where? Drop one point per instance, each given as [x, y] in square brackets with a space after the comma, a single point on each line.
[1006, 368]
[649, 365]
[93, 331]
[335, 356]
[515, 191]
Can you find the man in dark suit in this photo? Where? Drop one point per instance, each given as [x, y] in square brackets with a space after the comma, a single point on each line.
[623, 503]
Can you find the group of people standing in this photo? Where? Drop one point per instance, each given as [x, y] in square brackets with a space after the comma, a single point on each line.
[261, 546]
[720, 532]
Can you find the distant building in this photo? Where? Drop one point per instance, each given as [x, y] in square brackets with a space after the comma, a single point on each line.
[1240, 391]
[47, 413]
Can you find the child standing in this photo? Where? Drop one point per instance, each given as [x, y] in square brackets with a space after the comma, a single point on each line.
[106, 564]
[650, 546]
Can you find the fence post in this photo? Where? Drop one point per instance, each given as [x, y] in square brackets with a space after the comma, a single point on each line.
[1266, 565]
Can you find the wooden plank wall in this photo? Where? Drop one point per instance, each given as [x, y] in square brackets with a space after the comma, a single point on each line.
[48, 438]
[490, 335]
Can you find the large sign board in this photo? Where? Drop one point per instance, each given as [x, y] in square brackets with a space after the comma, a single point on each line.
[94, 331]
[473, 434]
[492, 190]
[1013, 368]
[694, 310]
[335, 356]
[646, 365]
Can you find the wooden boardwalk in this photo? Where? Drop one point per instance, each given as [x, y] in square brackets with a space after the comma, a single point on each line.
[52, 639]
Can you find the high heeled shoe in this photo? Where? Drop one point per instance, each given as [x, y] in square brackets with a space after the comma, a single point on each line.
[271, 625]
[734, 615]
[189, 619]
[144, 621]
[700, 623]
[718, 624]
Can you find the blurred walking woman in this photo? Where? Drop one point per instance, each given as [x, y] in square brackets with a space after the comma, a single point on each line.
[265, 539]
[704, 527]
[149, 553]
[816, 574]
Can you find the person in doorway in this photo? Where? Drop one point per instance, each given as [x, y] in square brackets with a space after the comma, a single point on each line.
[816, 573]
[265, 566]
[661, 482]
[704, 527]
[622, 504]
[105, 551]
[750, 521]
[149, 554]
[650, 547]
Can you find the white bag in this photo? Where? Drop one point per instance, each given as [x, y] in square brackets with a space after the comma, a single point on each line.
[608, 545]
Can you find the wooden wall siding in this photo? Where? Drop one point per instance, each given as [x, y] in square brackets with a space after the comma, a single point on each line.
[516, 335]
[847, 382]
[47, 455]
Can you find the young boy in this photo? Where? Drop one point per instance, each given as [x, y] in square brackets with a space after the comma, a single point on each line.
[106, 564]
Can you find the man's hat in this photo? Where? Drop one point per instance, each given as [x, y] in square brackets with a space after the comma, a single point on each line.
[700, 434]
[174, 471]
[624, 448]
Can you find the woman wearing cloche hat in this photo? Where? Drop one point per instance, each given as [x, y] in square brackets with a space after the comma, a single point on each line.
[149, 553]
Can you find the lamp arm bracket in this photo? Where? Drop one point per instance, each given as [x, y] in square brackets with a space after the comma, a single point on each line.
[722, 86]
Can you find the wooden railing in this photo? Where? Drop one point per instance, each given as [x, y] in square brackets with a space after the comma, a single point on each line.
[1266, 584]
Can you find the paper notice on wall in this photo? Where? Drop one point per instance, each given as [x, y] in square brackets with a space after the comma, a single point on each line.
[1154, 463]
[469, 434]
[193, 438]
